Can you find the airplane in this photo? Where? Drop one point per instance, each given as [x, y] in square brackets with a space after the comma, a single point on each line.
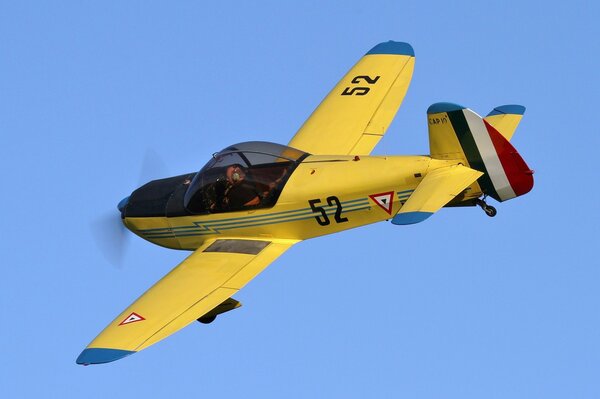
[252, 201]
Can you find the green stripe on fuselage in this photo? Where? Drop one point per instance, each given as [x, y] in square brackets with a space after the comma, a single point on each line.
[215, 226]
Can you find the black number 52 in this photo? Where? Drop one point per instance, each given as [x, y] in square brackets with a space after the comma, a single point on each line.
[360, 91]
[323, 219]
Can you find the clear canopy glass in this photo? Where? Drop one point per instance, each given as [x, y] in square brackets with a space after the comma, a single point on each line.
[243, 176]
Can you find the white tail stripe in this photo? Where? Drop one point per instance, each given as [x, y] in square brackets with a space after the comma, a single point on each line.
[489, 156]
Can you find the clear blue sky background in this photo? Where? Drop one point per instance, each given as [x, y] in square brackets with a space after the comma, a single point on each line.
[460, 306]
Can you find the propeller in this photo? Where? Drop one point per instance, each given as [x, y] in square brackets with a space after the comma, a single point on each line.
[112, 237]
[109, 232]
[153, 167]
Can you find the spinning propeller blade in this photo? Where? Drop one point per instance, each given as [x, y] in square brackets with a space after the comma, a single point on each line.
[153, 167]
[111, 236]
[109, 232]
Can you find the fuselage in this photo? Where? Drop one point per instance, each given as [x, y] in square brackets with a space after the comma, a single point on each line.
[323, 195]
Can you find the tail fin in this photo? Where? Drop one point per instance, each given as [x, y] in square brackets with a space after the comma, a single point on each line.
[505, 119]
[456, 132]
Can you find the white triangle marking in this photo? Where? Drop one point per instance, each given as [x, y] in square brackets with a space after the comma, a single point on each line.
[384, 200]
[132, 318]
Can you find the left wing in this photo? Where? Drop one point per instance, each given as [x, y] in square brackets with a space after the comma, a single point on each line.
[208, 277]
[356, 113]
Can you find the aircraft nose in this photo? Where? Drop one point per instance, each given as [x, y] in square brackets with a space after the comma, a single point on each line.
[122, 204]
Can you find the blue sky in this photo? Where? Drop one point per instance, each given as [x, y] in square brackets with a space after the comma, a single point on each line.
[460, 306]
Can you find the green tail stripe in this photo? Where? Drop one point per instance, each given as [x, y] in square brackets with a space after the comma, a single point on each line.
[469, 147]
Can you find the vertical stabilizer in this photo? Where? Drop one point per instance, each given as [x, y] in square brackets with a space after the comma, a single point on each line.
[456, 132]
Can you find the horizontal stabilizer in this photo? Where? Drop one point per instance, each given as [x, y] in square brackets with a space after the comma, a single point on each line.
[505, 119]
[435, 190]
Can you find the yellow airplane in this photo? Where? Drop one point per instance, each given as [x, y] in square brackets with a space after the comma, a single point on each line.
[254, 200]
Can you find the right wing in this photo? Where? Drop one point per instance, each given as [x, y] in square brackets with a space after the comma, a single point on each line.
[356, 113]
[203, 281]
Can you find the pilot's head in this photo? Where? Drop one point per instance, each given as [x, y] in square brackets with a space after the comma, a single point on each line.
[235, 174]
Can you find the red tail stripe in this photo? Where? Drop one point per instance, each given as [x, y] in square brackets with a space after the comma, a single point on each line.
[518, 173]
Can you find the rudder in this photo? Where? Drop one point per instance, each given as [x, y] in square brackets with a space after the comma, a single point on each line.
[456, 132]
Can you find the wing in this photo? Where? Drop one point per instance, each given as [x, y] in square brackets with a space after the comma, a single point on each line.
[435, 190]
[204, 280]
[356, 113]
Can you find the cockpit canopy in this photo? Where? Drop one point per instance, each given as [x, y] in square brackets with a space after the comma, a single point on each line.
[243, 176]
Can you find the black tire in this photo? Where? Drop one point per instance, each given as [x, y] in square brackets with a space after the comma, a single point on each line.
[490, 211]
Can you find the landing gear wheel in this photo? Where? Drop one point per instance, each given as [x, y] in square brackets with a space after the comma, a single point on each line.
[490, 211]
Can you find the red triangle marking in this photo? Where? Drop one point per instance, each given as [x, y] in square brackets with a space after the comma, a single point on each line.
[132, 318]
[384, 200]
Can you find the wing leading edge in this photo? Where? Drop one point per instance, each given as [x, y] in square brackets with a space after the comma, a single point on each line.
[357, 112]
[204, 280]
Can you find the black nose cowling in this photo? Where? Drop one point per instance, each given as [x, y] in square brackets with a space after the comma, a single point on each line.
[158, 198]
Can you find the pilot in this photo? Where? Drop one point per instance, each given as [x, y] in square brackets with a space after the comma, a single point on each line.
[239, 193]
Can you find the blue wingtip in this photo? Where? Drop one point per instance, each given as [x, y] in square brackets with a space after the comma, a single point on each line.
[513, 109]
[398, 48]
[410, 217]
[101, 355]
[443, 107]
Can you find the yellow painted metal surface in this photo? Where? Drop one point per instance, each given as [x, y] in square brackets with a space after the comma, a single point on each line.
[350, 120]
[505, 124]
[322, 180]
[444, 145]
[325, 194]
[197, 285]
[443, 142]
[439, 187]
